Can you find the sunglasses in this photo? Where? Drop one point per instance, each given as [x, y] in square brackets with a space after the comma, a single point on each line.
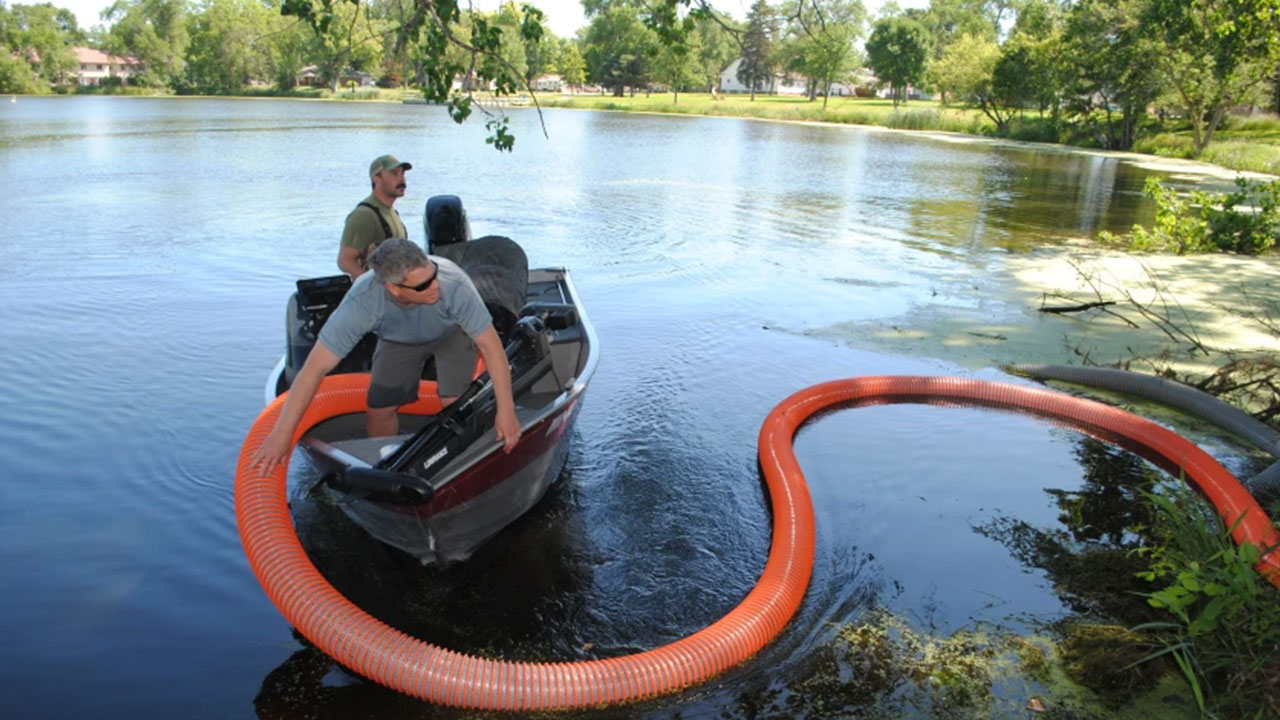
[425, 283]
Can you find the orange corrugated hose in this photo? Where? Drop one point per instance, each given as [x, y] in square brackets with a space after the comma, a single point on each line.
[432, 673]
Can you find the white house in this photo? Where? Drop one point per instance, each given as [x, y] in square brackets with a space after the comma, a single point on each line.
[310, 76]
[862, 80]
[777, 85]
[547, 83]
[94, 66]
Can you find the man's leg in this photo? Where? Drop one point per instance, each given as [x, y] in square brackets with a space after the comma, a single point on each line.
[397, 368]
[455, 366]
[381, 422]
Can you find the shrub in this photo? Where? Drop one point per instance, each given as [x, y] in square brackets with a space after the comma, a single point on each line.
[1245, 221]
[1244, 156]
[1165, 145]
[1264, 122]
[357, 95]
[915, 120]
[1226, 618]
[1033, 130]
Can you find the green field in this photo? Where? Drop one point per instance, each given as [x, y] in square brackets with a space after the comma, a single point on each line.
[915, 115]
[1251, 144]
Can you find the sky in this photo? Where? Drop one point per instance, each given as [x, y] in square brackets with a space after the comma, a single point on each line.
[564, 17]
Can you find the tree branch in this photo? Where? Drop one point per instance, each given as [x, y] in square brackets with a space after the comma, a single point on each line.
[1060, 309]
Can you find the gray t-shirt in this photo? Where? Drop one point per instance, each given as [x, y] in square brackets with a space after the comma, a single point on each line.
[368, 307]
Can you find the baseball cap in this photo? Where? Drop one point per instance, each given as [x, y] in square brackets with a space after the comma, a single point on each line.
[386, 162]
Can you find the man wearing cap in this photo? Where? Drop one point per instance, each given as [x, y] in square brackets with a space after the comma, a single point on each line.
[374, 219]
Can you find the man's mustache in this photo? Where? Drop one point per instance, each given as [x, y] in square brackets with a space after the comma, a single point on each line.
[401, 186]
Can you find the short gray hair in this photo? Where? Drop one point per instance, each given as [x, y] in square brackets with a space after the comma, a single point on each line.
[394, 258]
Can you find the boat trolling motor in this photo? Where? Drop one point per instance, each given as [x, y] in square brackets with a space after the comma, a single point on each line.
[404, 476]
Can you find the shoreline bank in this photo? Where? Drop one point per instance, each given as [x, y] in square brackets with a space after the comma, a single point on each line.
[988, 317]
[1161, 163]
[1146, 160]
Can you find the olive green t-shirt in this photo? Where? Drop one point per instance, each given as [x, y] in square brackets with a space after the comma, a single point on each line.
[364, 232]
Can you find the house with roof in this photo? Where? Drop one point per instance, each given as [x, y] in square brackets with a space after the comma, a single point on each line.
[94, 66]
[547, 83]
[310, 76]
[861, 83]
[779, 84]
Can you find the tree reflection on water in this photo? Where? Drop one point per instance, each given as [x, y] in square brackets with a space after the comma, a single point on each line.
[1090, 558]
[1084, 664]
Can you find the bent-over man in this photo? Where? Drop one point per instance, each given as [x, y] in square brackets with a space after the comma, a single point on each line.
[418, 306]
[374, 219]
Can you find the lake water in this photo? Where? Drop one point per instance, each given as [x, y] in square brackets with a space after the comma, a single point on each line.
[150, 245]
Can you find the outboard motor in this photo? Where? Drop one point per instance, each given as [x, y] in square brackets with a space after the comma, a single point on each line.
[446, 224]
[496, 265]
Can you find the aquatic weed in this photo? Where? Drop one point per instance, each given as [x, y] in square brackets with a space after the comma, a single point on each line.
[1225, 629]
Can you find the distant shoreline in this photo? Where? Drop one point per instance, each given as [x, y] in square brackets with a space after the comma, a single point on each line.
[1144, 160]
[952, 124]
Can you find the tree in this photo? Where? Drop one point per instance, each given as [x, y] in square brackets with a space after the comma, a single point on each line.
[286, 46]
[16, 75]
[832, 57]
[514, 52]
[154, 31]
[618, 47]
[676, 66]
[1039, 29]
[1112, 69]
[821, 43]
[756, 68]
[445, 39]
[965, 68]
[949, 20]
[224, 54]
[573, 69]
[1012, 86]
[1275, 90]
[1219, 53]
[980, 72]
[1037, 19]
[352, 40]
[717, 49]
[42, 37]
[897, 51]
[540, 55]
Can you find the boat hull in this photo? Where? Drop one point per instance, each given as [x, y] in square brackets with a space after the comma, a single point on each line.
[478, 503]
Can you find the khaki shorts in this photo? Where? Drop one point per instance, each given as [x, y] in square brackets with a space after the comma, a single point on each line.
[397, 368]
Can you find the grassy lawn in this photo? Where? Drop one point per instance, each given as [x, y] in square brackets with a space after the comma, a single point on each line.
[1243, 144]
[1247, 144]
[915, 115]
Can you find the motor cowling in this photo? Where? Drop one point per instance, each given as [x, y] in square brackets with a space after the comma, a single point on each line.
[445, 222]
[497, 265]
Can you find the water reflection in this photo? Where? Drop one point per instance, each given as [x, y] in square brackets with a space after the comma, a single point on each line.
[882, 665]
[1009, 198]
[1093, 561]
[1091, 555]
